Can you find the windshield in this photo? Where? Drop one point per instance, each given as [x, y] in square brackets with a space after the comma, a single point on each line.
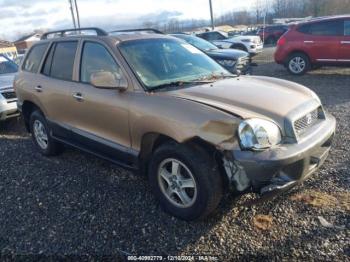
[7, 66]
[198, 42]
[158, 62]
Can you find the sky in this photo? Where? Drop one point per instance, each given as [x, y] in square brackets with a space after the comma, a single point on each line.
[20, 17]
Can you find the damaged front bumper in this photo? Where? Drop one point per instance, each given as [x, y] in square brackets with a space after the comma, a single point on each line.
[278, 169]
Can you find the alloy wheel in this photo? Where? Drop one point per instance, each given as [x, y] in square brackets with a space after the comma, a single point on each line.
[297, 65]
[177, 183]
[40, 134]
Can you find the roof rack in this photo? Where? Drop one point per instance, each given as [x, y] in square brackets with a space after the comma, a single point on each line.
[61, 33]
[138, 30]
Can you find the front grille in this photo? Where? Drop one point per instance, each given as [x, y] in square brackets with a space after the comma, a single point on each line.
[9, 95]
[308, 120]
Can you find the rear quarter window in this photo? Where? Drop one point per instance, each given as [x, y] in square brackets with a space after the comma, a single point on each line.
[34, 57]
[324, 28]
[347, 27]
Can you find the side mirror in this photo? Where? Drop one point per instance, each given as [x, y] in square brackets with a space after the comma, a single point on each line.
[107, 80]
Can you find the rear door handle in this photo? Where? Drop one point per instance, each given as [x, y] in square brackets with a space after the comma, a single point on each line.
[78, 96]
[345, 42]
[308, 42]
[39, 89]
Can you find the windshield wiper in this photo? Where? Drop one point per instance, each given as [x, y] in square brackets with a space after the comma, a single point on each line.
[180, 83]
[216, 77]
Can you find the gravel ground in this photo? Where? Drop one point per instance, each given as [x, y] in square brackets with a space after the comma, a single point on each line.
[82, 207]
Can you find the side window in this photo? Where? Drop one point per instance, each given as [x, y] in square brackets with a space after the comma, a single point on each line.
[48, 61]
[205, 36]
[32, 62]
[95, 58]
[218, 36]
[63, 60]
[347, 27]
[305, 29]
[327, 28]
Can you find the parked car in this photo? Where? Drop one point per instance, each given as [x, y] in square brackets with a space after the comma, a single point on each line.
[230, 59]
[318, 42]
[247, 43]
[8, 106]
[271, 33]
[18, 59]
[153, 103]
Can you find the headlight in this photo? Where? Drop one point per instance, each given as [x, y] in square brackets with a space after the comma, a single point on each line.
[246, 40]
[258, 134]
[226, 62]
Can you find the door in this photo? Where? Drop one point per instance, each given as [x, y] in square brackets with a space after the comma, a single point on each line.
[322, 40]
[101, 116]
[56, 81]
[344, 50]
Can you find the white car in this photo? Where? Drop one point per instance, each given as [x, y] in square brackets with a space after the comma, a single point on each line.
[8, 100]
[249, 43]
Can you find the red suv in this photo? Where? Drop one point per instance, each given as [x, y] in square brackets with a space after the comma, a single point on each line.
[270, 34]
[318, 42]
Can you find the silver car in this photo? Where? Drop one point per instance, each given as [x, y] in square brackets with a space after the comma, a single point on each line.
[8, 100]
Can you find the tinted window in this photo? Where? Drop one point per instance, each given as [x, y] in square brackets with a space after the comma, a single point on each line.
[347, 27]
[96, 58]
[204, 36]
[47, 65]
[217, 36]
[34, 57]
[7, 66]
[63, 60]
[327, 28]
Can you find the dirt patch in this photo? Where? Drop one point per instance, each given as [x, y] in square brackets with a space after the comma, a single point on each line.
[324, 200]
[262, 222]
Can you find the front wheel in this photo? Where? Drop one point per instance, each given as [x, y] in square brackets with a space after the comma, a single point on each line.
[298, 64]
[185, 180]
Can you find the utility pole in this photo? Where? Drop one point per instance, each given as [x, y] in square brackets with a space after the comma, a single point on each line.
[211, 15]
[77, 10]
[72, 12]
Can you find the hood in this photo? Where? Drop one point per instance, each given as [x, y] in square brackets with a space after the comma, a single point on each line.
[6, 80]
[227, 53]
[253, 38]
[252, 96]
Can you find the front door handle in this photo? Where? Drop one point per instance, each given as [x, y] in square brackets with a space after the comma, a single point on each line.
[345, 42]
[78, 96]
[308, 42]
[39, 89]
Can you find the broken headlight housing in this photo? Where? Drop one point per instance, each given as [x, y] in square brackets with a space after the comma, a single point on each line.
[258, 134]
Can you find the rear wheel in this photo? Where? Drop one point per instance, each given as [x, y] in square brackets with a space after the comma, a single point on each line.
[186, 181]
[41, 135]
[298, 64]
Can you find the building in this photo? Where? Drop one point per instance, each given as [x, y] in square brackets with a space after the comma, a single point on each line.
[27, 41]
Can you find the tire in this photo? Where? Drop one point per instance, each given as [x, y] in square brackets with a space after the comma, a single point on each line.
[298, 64]
[38, 123]
[197, 166]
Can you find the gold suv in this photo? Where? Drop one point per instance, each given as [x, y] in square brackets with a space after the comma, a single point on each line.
[153, 103]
